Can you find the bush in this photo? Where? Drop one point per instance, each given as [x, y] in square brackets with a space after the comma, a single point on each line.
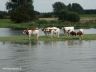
[73, 17]
[69, 16]
[3, 14]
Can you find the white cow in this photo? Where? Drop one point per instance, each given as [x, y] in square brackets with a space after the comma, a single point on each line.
[29, 32]
[80, 33]
[53, 31]
[56, 31]
[67, 30]
[81, 30]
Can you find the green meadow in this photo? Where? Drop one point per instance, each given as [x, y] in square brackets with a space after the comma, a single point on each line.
[24, 38]
[7, 23]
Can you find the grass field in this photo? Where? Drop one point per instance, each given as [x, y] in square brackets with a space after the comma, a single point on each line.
[24, 39]
[88, 15]
[9, 24]
[87, 21]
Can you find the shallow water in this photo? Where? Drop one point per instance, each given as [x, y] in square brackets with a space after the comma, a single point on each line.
[10, 32]
[60, 56]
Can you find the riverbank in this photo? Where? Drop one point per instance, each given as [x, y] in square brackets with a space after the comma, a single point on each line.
[7, 23]
[24, 39]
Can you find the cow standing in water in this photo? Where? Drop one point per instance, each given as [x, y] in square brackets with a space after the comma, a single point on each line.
[53, 31]
[29, 32]
[73, 33]
[78, 33]
[67, 30]
[47, 30]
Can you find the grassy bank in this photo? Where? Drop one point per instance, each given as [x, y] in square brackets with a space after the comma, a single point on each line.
[24, 39]
[88, 15]
[6, 23]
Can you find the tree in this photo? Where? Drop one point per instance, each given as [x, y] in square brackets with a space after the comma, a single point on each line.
[69, 7]
[73, 17]
[90, 11]
[77, 8]
[64, 13]
[3, 14]
[69, 16]
[58, 7]
[21, 10]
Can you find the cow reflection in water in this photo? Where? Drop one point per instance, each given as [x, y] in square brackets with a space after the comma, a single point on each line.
[74, 42]
[33, 43]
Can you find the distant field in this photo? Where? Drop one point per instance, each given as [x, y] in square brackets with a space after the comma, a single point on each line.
[86, 21]
[88, 15]
[5, 23]
[82, 17]
[88, 18]
[49, 19]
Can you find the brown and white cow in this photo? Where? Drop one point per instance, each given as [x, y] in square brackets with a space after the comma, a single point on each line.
[67, 30]
[29, 32]
[79, 33]
[53, 31]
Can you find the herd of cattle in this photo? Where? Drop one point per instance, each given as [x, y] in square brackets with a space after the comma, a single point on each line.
[54, 31]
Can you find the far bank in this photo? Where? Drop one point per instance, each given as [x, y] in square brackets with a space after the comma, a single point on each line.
[6, 23]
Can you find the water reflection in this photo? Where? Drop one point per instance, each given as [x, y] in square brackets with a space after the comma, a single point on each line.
[8, 32]
[16, 55]
[74, 42]
[50, 56]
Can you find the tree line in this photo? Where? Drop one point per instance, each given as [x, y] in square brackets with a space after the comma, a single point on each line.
[23, 11]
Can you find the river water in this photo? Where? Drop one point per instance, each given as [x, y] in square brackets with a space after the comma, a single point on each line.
[10, 32]
[60, 56]
[41, 56]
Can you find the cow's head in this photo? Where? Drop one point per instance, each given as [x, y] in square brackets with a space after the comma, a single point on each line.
[25, 32]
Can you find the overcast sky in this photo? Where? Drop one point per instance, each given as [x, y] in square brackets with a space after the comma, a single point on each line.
[46, 5]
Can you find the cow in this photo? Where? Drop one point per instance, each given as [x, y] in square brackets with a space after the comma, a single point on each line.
[53, 31]
[79, 33]
[29, 32]
[73, 33]
[47, 30]
[67, 30]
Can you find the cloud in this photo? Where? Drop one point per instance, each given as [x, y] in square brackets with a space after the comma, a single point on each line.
[3, 4]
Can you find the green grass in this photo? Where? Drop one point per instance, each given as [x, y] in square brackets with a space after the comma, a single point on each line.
[88, 15]
[89, 37]
[24, 39]
[6, 23]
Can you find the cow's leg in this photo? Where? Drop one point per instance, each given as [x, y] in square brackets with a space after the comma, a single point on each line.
[81, 36]
[37, 36]
[58, 34]
[51, 34]
[29, 36]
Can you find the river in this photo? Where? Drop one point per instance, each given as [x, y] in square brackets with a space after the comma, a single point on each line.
[60, 56]
[10, 32]
[50, 56]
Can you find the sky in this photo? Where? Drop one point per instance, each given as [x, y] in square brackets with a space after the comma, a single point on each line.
[46, 5]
